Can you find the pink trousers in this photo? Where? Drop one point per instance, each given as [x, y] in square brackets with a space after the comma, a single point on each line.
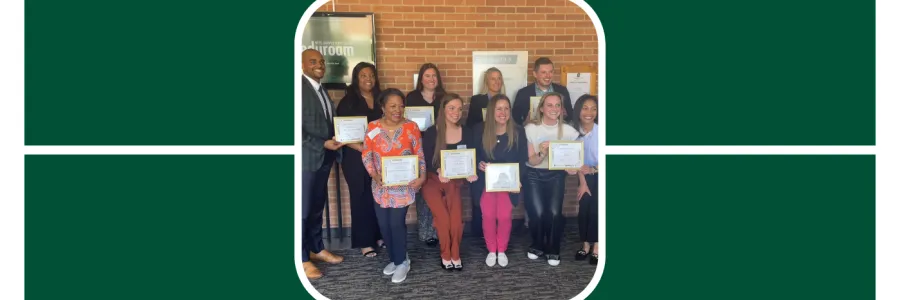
[496, 212]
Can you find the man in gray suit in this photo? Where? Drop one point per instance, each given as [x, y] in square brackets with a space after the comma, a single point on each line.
[319, 154]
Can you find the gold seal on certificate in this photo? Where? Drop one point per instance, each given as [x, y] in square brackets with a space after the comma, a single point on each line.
[501, 177]
[422, 115]
[457, 163]
[535, 101]
[566, 155]
[350, 129]
[399, 170]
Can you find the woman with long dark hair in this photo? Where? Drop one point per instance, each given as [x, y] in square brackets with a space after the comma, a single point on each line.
[429, 92]
[442, 194]
[359, 100]
[585, 121]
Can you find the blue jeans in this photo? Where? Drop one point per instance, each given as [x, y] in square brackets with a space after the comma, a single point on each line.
[392, 222]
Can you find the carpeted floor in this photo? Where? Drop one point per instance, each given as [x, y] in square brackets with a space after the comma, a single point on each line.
[360, 277]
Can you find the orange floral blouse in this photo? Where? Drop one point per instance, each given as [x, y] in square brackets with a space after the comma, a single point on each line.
[406, 141]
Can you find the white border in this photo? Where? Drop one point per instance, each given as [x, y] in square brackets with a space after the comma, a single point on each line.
[12, 125]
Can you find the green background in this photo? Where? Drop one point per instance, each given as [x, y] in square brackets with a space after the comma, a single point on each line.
[678, 72]
[678, 227]
[221, 73]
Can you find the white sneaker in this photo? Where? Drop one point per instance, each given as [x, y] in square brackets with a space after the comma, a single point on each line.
[390, 268]
[491, 259]
[532, 256]
[553, 260]
[502, 260]
[400, 273]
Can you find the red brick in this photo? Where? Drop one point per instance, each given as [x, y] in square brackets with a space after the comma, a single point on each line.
[425, 38]
[415, 45]
[486, 10]
[404, 23]
[563, 51]
[495, 2]
[414, 31]
[413, 16]
[424, 23]
[436, 45]
[536, 3]
[403, 8]
[413, 2]
[564, 38]
[485, 23]
[543, 38]
[444, 9]
[475, 17]
[471, 31]
[496, 45]
[424, 9]
[465, 24]
[556, 17]
[487, 38]
[405, 38]
[458, 31]
[434, 31]
[576, 17]
[506, 10]
[462, 38]
[525, 10]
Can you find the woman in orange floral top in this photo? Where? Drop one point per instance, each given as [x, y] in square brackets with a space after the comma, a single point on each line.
[393, 135]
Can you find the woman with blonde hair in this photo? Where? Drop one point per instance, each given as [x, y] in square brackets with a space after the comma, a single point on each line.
[544, 188]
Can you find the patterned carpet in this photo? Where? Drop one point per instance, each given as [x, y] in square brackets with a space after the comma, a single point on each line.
[360, 277]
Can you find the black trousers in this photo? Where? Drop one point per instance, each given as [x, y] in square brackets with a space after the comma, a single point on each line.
[587, 211]
[313, 198]
[392, 222]
[364, 232]
[543, 203]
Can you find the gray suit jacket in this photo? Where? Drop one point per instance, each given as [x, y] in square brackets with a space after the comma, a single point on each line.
[315, 128]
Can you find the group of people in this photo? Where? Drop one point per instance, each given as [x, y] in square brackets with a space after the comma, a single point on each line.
[379, 212]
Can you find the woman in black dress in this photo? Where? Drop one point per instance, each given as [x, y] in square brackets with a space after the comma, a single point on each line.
[492, 84]
[429, 91]
[359, 100]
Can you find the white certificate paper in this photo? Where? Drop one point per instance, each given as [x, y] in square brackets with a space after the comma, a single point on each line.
[457, 163]
[483, 114]
[535, 101]
[566, 155]
[578, 84]
[502, 178]
[399, 170]
[422, 115]
[350, 129]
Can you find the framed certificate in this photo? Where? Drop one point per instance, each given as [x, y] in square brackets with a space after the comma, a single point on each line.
[350, 129]
[399, 170]
[483, 113]
[566, 155]
[422, 115]
[535, 101]
[501, 177]
[457, 163]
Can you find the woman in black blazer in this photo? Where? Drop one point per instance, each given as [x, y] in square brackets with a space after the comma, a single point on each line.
[491, 85]
[359, 100]
[429, 92]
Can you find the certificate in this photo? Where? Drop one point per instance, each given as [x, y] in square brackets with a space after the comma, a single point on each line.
[457, 163]
[502, 177]
[483, 113]
[578, 84]
[565, 155]
[399, 170]
[535, 101]
[422, 115]
[350, 129]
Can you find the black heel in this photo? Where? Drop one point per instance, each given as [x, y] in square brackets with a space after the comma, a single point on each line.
[594, 259]
[581, 254]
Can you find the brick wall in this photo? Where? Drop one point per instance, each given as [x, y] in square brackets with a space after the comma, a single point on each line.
[410, 33]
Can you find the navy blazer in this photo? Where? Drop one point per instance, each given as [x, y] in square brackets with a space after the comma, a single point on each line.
[475, 105]
[523, 100]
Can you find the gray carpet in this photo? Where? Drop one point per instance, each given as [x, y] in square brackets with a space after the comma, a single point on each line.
[360, 277]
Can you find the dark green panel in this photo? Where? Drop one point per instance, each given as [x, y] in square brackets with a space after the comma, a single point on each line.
[160, 227]
[740, 227]
[709, 72]
[159, 72]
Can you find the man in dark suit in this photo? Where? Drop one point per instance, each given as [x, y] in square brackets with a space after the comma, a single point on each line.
[318, 154]
[543, 77]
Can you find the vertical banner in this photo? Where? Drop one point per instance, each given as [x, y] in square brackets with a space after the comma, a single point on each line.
[513, 65]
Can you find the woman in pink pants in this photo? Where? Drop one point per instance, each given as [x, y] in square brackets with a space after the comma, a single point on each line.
[498, 140]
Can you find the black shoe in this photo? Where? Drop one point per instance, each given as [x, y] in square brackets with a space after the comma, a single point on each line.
[594, 259]
[448, 267]
[535, 254]
[581, 255]
[458, 267]
[431, 242]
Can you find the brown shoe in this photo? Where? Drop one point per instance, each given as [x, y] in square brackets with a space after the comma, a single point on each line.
[311, 271]
[326, 256]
